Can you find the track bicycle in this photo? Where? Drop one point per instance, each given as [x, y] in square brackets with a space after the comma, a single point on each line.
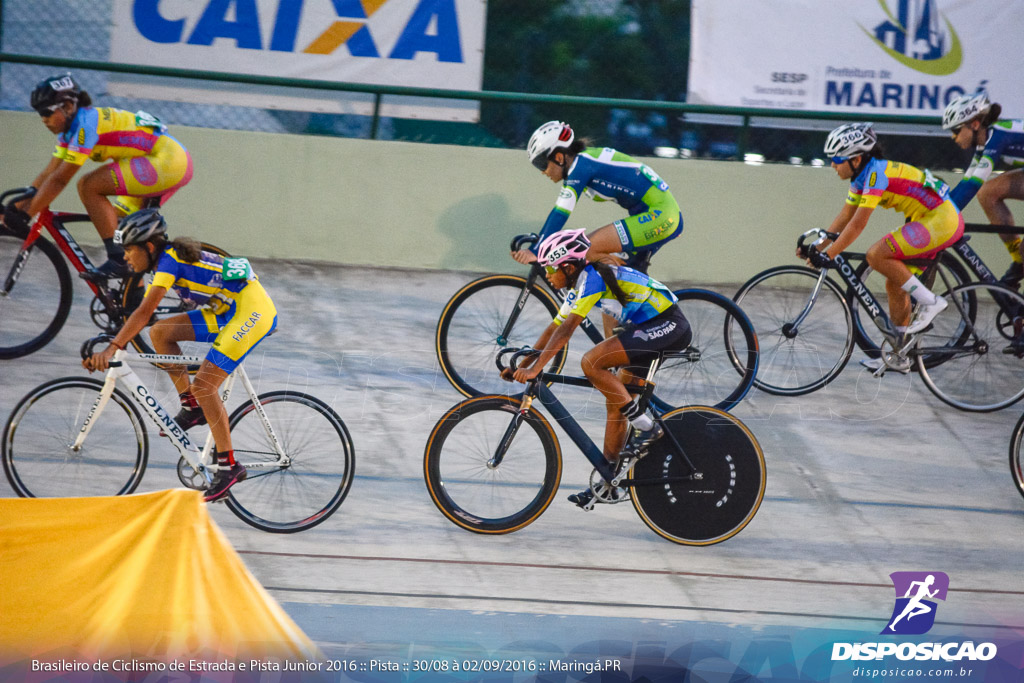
[37, 288]
[970, 357]
[496, 312]
[79, 436]
[492, 464]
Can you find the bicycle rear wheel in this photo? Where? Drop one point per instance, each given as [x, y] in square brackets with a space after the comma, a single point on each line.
[38, 303]
[482, 498]
[311, 486]
[37, 443]
[685, 509]
[721, 361]
[801, 360]
[1017, 455]
[469, 330]
[984, 370]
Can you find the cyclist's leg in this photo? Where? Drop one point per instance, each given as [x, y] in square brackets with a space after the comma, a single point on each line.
[146, 181]
[993, 195]
[917, 239]
[641, 232]
[165, 335]
[597, 364]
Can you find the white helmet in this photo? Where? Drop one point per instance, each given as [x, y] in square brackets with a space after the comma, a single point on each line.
[849, 140]
[549, 137]
[964, 108]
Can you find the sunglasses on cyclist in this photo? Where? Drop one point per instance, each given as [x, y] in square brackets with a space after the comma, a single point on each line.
[840, 160]
[550, 270]
[541, 163]
[48, 111]
[955, 130]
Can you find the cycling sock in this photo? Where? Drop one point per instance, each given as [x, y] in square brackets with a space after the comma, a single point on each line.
[637, 417]
[1013, 246]
[225, 457]
[916, 289]
[188, 400]
[115, 252]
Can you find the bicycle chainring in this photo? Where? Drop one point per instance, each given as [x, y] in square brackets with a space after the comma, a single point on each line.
[189, 477]
[604, 492]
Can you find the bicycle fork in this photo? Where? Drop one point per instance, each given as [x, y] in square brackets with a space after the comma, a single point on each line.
[512, 429]
[97, 409]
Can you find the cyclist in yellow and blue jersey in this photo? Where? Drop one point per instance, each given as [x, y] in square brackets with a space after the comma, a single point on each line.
[933, 223]
[974, 122]
[236, 314]
[147, 165]
[604, 175]
[651, 320]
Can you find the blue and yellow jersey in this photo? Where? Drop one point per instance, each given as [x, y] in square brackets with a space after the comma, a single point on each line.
[646, 297]
[899, 186]
[101, 133]
[1005, 145]
[608, 175]
[195, 282]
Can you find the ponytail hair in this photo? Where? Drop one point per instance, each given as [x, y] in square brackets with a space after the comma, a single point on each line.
[187, 249]
[992, 115]
[84, 99]
[607, 274]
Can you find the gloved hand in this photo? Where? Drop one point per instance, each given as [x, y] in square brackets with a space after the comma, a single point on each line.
[819, 259]
[16, 220]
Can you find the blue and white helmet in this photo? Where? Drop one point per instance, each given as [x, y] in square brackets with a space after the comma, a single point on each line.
[964, 108]
[850, 140]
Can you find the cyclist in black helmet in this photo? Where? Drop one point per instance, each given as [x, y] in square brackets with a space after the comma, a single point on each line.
[146, 166]
[236, 314]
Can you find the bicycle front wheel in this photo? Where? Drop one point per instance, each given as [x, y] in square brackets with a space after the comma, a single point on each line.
[984, 370]
[797, 359]
[720, 364]
[37, 304]
[1017, 455]
[469, 332]
[707, 486]
[307, 485]
[38, 444]
[477, 495]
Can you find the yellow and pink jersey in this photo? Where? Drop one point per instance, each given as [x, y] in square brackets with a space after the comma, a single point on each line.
[101, 133]
[895, 185]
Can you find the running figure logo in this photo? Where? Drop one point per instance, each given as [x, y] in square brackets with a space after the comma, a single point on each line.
[914, 612]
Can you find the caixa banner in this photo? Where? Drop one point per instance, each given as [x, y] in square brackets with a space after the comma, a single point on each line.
[888, 56]
[423, 43]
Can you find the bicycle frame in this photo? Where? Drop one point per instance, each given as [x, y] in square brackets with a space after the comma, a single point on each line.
[54, 224]
[199, 458]
[538, 388]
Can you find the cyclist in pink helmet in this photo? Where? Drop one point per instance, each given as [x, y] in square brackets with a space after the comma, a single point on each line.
[651, 322]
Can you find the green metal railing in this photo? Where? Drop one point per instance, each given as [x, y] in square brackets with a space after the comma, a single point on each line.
[379, 91]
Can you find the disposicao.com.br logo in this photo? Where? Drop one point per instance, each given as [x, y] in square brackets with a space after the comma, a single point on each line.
[914, 613]
[915, 37]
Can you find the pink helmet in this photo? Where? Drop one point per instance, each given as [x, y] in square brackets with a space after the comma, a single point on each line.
[564, 246]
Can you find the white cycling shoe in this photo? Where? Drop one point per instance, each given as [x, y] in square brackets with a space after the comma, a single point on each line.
[899, 364]
[926, 314]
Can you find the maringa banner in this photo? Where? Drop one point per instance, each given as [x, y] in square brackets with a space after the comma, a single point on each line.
[423, 43]
[889, 56]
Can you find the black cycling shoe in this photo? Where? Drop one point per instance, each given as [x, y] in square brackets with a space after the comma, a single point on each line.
[1013, 275]
[584, 499]
[108, 270]
[224, 480]
[187, 418]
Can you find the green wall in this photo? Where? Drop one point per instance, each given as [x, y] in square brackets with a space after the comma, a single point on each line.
[404, 204]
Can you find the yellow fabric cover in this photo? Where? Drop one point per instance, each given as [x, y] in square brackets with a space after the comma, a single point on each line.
[148, 576]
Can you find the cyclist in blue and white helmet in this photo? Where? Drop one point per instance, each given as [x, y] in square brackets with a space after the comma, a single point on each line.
[974, 122]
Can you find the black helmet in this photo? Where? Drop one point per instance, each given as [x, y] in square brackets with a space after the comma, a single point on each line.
[51, 92]
[139, 227]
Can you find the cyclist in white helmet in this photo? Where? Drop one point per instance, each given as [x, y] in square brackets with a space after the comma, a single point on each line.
[974, 122]
[652, 322]
[932, 224]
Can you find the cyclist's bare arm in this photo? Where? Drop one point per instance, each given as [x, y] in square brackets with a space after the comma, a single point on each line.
[51, 183]
[851, 231]
[550, 343]
[136, 321]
